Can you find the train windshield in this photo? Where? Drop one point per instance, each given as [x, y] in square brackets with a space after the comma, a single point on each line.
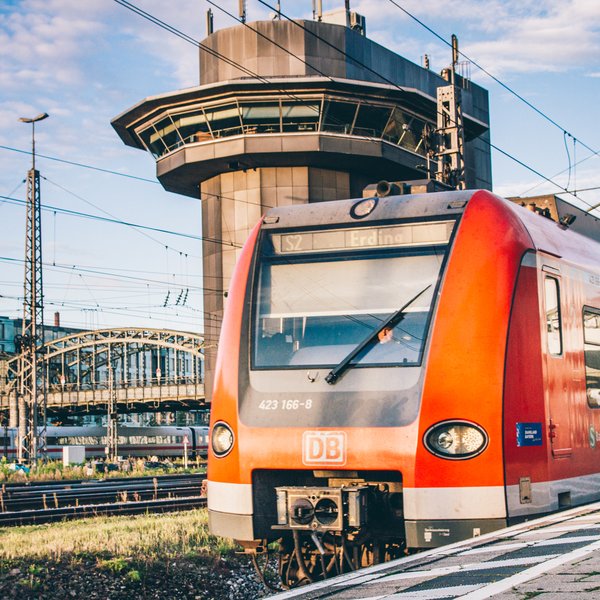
[320, 293]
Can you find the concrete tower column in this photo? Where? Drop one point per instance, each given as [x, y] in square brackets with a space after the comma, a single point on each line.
[232, 203]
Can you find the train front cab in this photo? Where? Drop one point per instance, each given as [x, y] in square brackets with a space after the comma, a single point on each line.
[480, 330]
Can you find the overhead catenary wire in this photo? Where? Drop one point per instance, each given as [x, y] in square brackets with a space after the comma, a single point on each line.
[189, 39]
[14, 190]
[568, 158]
[489, 143]
[84, 305]
[78, 307]
[141, 314]
[111, 172]
[76, 213]
[139, 230]
[171, 29]
[68, 212]
[539, 174]
[496, 79]
[109, 271]
[251, 73]
[575, 164]
[88, 202]
[101, 273]
[214, 194]
[136, 311]
[255, 75]
[127, 293]
[84, 302]
[79, 164]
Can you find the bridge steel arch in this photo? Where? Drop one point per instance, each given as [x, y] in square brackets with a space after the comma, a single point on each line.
[135, 368]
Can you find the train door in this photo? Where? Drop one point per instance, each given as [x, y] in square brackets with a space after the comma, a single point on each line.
[557, 369]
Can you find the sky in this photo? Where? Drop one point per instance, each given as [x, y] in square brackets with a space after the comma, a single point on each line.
[84, 63]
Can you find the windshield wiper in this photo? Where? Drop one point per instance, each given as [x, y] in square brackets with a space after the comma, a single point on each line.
[390, 322]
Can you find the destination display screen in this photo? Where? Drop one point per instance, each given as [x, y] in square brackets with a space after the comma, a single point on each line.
[389, 236]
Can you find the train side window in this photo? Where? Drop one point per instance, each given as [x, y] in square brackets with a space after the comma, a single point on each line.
[591, 347]
[553, 316]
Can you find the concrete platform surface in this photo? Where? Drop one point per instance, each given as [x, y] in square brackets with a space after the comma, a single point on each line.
[551, 558]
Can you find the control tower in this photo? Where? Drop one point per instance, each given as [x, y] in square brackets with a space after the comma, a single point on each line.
[295, 112]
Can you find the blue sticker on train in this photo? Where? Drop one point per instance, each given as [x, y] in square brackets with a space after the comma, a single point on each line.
[529, 434]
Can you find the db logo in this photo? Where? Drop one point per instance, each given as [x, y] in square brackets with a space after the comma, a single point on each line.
[324, 447]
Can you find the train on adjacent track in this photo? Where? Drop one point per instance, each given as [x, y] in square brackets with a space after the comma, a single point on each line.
[401, 372]
[132, 441]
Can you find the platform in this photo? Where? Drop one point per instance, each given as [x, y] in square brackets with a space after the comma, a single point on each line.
[553, 557]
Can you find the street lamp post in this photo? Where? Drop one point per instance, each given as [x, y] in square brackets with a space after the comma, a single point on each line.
[32, 399]
[33, 121]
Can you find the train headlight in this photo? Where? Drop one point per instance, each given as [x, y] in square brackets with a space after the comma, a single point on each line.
[455, 440]
[222, 439]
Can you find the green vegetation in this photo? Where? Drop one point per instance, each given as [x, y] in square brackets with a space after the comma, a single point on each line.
[123, 558]
[54, 470]
[115, 565]
[134, 576]
[116, 541]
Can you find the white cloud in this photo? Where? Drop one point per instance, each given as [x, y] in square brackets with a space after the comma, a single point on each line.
[564, 38]
[176, 58]
[42, 43]
[52, 46]
[505, 36]
[582, 177]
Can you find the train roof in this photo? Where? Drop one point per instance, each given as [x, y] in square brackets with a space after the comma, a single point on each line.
[554, 225]
[563, 212]
[423, 205]
[322, 214]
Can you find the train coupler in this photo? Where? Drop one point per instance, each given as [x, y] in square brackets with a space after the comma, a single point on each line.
[322, 508]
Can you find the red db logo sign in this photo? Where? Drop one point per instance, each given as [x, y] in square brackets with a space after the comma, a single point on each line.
[324, 447]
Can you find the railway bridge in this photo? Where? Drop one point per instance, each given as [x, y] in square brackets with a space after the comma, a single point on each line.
[135, 369]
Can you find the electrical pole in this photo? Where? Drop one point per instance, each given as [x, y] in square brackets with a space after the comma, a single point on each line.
[32, 398]
[112, 435]
[450, 128]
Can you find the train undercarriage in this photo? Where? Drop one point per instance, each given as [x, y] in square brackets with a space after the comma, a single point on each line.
[328, 530]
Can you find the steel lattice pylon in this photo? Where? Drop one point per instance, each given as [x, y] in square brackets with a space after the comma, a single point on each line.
[31, 393]
[450, 128]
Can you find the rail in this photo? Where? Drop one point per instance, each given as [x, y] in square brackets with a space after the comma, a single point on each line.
[41, 502]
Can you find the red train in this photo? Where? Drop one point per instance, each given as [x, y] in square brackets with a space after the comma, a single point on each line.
[404, 372]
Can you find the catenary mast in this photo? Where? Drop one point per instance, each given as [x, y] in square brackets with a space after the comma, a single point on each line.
[31, 393]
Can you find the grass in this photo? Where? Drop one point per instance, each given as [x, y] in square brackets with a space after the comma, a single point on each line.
[123, 558]
[116, 540]
[55, 471]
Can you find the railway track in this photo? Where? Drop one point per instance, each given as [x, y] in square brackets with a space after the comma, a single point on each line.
[42, 502]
